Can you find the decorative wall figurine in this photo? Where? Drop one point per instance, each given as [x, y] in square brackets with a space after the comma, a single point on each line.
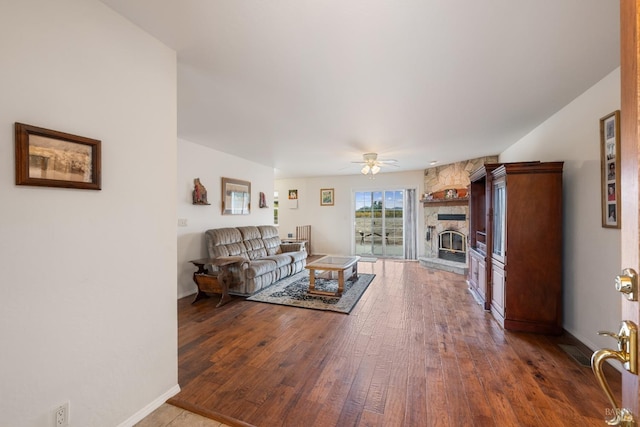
[263, 200]
[199, 193]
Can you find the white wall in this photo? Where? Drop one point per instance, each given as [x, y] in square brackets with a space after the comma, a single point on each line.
[332, 230]
[87, 289]
[197, 161]
[591, 253]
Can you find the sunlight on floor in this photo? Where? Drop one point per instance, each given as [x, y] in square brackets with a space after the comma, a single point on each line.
[172, 416]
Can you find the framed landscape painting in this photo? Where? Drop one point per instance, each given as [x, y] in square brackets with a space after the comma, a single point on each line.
[326, 197]
[49, 158]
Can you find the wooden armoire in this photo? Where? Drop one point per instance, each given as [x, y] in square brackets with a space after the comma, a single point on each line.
[515, 244]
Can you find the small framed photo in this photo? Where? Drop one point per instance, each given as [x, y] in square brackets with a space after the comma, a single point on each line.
[326, 197]
[610, 169]
[48, 158]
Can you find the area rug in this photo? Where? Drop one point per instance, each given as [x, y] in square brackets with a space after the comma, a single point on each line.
[292, 291]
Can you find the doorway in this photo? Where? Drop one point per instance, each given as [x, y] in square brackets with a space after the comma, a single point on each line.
[379, 223]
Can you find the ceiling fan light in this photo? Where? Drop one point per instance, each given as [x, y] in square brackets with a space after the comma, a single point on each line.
[365, 169]
[375, 169]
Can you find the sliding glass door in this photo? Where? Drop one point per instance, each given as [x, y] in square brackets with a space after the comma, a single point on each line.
[379, 223]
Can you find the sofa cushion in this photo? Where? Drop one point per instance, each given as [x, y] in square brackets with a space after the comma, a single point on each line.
[297, 256]
[259, 267]
[280, 260]
[252, 240]
[274, 251]
[224, 242]
[267, 231]
[271, 239]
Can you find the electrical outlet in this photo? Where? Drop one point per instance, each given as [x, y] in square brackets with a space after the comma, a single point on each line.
[62, 415]
[182, 222]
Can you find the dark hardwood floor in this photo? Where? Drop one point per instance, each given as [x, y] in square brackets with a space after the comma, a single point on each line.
[417, 350]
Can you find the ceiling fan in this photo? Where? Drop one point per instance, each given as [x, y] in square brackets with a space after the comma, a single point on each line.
[371, 163]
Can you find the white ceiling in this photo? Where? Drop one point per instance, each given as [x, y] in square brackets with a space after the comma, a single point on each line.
[308, 86]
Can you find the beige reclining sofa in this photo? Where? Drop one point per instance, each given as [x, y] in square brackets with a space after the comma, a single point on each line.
[267, 258]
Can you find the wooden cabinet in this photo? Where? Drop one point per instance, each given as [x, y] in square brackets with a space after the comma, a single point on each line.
[523, 226]
[479, 240]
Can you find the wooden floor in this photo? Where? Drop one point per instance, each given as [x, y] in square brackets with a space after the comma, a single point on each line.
[417, 350]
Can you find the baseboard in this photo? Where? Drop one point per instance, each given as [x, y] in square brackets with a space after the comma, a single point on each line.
[187, 293]
[588, 347]
[141, 414]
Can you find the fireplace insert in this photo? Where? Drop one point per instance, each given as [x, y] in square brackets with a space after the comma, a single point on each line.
[452, 246]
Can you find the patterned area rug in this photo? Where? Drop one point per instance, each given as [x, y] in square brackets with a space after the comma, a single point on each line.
[292, 291]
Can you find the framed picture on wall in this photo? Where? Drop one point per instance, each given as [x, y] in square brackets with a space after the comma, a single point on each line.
[610, 169]
[49, 158]
[326, 197]
[236, 197]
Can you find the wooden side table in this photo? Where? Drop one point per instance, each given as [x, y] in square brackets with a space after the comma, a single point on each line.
[219, 283]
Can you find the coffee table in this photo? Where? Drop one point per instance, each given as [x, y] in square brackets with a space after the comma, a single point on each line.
[332, 263]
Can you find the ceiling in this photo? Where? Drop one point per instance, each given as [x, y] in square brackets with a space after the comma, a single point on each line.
[308, 86]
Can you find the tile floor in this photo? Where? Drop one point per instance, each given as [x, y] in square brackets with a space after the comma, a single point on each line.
[172, 416]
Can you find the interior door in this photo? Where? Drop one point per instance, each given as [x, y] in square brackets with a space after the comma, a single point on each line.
[630, 178]
[626, 412]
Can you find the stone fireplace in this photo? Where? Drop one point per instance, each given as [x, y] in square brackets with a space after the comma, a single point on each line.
[446, 214]
[445, 217]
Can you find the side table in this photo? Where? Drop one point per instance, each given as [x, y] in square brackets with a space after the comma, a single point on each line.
[214, 283]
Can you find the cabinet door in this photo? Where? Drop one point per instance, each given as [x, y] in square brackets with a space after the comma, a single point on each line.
[498, 290]
[473, 271]
[482, 279]
[499, 220]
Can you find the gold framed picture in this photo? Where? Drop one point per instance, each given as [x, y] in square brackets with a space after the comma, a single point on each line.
[326, 197]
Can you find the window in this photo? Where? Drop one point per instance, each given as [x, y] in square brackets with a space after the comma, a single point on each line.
[275, 208]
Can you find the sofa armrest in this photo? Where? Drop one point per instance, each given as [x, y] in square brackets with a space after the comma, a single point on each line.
[292, 247]
[237, 262]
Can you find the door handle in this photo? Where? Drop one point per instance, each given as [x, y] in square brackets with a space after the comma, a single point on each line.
[627, 355]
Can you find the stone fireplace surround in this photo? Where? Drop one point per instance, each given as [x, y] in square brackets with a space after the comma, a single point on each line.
[451, 176]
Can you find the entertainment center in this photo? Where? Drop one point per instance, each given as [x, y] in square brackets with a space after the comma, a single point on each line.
[515, 244]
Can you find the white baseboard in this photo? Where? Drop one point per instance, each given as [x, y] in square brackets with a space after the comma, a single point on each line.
[141, 414]
[186, 293]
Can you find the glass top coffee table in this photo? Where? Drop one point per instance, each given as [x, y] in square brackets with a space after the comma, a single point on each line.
[341, 264]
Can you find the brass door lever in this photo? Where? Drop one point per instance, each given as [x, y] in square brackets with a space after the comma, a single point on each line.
[627, 354]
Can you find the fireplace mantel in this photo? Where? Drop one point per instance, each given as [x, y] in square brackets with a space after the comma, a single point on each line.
[460, 201]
